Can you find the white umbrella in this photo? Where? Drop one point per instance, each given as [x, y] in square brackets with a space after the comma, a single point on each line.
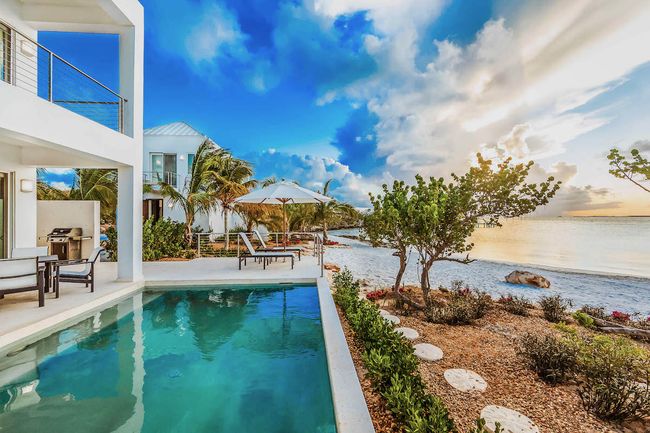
[283, 193]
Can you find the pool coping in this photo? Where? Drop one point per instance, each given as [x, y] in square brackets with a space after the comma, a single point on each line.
[350, 408]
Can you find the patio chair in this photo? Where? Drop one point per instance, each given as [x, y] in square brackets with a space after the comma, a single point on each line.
[85, 276]
[21, 275]
[267, 248]
[262, 255]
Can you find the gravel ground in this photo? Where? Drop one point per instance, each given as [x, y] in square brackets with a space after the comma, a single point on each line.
[488, 347]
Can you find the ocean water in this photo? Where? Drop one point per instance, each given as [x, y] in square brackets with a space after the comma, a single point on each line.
[214, 360]
[597, 261]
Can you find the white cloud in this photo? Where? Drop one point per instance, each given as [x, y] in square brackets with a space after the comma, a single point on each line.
[60, 171]
[217, 34]
[60, 185]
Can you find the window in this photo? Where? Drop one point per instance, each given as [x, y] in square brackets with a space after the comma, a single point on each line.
[163, 168]
[5, 53]
[190, 161]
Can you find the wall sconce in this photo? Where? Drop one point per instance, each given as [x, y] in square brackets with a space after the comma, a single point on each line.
[181, 157]
[26, 185]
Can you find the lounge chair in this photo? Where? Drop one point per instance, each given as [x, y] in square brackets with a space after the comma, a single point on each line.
[85, 276]
[266, 248]
[21, 275]
[262, 255]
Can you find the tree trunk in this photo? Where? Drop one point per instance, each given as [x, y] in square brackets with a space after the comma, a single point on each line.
[225, 227]
[324, 230]
[402, 268]
[425, 283]
[189, 220]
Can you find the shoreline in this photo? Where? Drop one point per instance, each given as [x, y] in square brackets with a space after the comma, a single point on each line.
[551, 268]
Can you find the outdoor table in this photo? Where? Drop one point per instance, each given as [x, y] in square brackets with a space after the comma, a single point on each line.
[48, 262]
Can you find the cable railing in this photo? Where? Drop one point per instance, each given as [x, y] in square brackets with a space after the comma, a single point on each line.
[154, 178]
[218, 244]
[30, 66]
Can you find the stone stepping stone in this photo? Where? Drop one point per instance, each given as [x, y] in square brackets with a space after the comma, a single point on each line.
[408, 333]
[465, 380]
[384, 313]
[511, 421]
[428, 352]
[392, 319]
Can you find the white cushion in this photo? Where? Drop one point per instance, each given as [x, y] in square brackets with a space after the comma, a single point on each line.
[14, 267]
[17, 253]
[18, 283]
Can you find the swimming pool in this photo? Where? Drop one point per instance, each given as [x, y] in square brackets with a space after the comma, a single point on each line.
[209, 359]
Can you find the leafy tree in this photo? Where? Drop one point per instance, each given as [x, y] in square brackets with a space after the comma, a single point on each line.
[387, 224]
[442, 216]
[636, 168]
[198, 194]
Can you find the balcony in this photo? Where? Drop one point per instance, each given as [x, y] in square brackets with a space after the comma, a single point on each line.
[155, 178]
[26, 64]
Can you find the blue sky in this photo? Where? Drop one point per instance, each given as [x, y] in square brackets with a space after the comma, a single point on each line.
[366, 91]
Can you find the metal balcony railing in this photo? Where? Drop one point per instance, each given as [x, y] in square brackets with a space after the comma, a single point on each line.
[156, 177]
[26, 64]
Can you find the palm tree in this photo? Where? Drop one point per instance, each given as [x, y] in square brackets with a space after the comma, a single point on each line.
[254, 214]
[98, 184]
[198, 193]
[333, 212]
[232, 179]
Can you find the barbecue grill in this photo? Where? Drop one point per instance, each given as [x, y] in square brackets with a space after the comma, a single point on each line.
[65, 243]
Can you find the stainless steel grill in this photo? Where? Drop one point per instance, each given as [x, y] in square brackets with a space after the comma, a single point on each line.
[65, 242]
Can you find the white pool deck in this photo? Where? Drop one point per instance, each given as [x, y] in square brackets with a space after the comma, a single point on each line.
[22, 321]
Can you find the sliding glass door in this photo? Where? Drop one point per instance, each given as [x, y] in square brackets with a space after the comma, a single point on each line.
[163, 166]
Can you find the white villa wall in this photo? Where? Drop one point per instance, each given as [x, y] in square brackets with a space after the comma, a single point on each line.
[22, 215]
[37, 133]
[69, 213]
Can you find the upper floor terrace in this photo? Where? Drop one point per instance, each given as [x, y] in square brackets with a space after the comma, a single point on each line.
[32, 67]
[52, 106]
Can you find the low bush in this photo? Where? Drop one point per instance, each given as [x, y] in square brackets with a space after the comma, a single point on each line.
[594, 311]
[376, 294]
[463, 307]
[391, 365]
[553, 358]
[554, 307]
[515, 304]
[620, 317]
[583, 319]
[615, 378]
[162, 238]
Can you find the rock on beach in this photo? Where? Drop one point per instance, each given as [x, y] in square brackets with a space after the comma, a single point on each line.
[523, 277]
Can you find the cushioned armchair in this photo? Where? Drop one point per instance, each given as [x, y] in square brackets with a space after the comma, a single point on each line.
[85, 276]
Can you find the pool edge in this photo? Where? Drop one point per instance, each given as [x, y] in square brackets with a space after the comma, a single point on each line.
[350, 408]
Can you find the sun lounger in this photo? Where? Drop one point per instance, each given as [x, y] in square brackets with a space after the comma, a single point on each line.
[266, 248]
[264, 256]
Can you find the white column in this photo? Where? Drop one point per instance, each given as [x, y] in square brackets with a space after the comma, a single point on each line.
[129, 223]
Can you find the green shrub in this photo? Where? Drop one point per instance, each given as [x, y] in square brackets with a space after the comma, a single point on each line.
[110, 245]
[162, 238]
[515, 304]
[615, 378]
[464, 306]
[552, 358]
[554, 307]
[594, 311]
[392, 367]
[583, 319]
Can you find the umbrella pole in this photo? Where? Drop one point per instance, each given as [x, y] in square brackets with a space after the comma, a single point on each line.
[284, 223]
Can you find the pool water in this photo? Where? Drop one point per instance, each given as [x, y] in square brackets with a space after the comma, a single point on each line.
[243, 359]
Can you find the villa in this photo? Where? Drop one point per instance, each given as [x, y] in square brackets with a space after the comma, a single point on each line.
[244, 342]
[168, 156]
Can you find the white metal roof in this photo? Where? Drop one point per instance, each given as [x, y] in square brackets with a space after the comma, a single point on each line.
[175, 128]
